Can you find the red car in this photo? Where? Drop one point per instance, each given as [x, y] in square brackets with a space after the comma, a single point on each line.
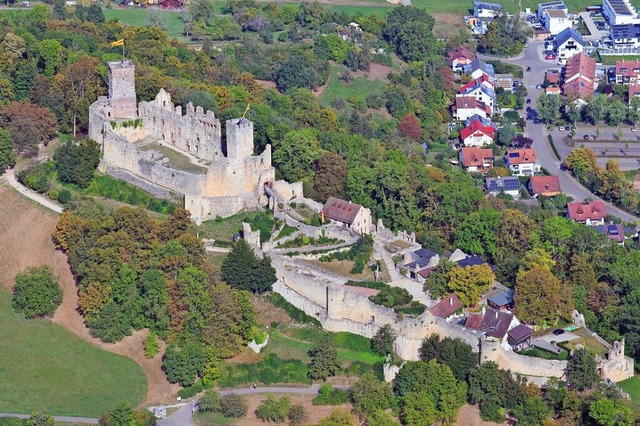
[550, 57]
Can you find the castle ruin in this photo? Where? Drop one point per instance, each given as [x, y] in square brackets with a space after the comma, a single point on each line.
[154, 146]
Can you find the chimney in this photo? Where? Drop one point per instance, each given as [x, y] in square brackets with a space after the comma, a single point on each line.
[450, 300]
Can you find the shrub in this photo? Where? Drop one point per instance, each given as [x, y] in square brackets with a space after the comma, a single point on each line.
[190, 391]
[210, 401]
[274, 410]
[298, 415]
[37, 292]
[151, 345]
[391, 297]
[328, 395]
[270, 370]
[37, 177]
[233, 406]
[64, 196]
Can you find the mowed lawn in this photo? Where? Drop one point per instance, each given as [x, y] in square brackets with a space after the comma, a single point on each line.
[173, 24]
[632, 387]
[359, 88]
[43, 367]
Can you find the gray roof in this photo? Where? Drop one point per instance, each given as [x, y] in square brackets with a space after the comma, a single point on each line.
[502, 299]
[508, 183]
[625, 31]
[483, 66]
[486, 5]
[567, 34]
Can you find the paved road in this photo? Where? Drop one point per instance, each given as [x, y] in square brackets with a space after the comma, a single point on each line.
[67, 419]
[538, 131]
[182, 417]
[40, 199]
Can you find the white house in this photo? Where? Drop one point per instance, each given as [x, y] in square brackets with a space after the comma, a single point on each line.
[510, 185]
[478, 68]
[568, 43]
[626, 35]
[481, 92]
[477, 134]
[618, 12]
[483, 9]
[555, 20]
[350, 215]
[476, 159]
[522, 162]
[556, 5]
[467, 106]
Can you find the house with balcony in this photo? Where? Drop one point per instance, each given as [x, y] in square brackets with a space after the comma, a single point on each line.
[459, 58]
[475, 159]
[522, 162]
[588, 213]
[477, 134]
[627, 72]
[467, 106]
[568, 43]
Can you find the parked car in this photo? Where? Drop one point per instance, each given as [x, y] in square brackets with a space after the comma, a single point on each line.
[539, 86]
[561, 128]
[585, 137]
[633, 129]
[550, 57]
[528, 68]
[558, 331]
[568, 128]
[528, 100]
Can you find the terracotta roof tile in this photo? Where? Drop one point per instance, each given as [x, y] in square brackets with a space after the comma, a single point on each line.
[580, 211]
[473, 156]
[521, 156]
[341, 210]
[476, 126]
[545, 184]
[447, 306]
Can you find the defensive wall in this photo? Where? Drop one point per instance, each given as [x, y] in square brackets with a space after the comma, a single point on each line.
[341, 310]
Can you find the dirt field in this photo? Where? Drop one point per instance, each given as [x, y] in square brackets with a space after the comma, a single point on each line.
[469, 415]
[376, 72]
[447, 24]
[26, 241]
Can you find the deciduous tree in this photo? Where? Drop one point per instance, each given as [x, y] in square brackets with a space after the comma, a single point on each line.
[331, 177]
[541, 298]
[324, 358]
[7, 154]
[370, 395]
[469, 283]
[382, 342]
[410, 127]
[581, 369]
[29, 125]
[37, 292]
[76, 163]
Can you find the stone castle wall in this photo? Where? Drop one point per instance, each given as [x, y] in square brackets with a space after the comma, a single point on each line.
[196, 132]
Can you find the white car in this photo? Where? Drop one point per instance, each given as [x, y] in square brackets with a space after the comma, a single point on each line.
[633, 129]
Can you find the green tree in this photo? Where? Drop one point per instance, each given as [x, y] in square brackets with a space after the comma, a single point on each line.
[614, 182]
[596, 109]
[151, 345]
[121, 415]
[39, 419]
[455, 353]
[469, 283]
[243, 270]
[478, 234]
[382, 342]
[548, 107]
[505, 35]
[330, 178]
[506, 134]
[7, 154]
[183, 364]
[210, 401]
[297, 72]
[634, 110]
[541, 298]
[233, 406]
[297, 415]
[37, 292]
[76, 164]
[607, 412]
[324, 358]
[418, 409]
[488, 388]
[616, 112]
[339, 417]
[370, 395]
[581, 369]
[295, 155]
[532, 411]
[274, 410]
[437, 284]
[51, 54]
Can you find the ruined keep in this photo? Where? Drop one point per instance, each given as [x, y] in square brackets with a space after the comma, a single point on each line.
[154, 146]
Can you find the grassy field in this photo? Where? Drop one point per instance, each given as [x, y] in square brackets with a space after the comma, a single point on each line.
[632, 387]
[540, 353]
[224, 229]
[586, 340]
[612, 59]
[173, 25]
[359, 88]
[45, 368]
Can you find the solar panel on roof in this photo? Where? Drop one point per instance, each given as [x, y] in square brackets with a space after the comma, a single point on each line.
[613, 230]
[514, 155]
[512, 184]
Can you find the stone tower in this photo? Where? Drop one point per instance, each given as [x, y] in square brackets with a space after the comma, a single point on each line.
[239, 138]
[122, 89]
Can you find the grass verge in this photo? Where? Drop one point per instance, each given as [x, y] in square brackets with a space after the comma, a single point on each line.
[357, 90]
[632, 387]
[43, 367]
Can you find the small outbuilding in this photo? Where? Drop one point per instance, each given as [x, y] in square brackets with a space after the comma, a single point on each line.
[519, 336]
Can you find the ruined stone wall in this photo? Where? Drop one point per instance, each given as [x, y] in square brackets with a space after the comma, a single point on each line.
[157, 191]
[197, 132]
[234, 176]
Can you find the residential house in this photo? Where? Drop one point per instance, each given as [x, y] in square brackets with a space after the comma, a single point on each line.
[551, 5]
[556, 20]
[547, 186]
[522, 162]
[495, 325]
[478, 68]
[589, 213]
[568, 43]
[483, 9]
[509, 185]
[519, 337]
[552, 90]
[502, 301]
[579, 76]
[484, 80]
[350, 215]
[626, 35]
[447, 307]
[481, 92]
[627, 72]
[484, 120]
[475, 159]
[473, 260]
[467, 106]
[615, 232]
[477, 134]
[618, 12]
[459, 58]
[419, 263]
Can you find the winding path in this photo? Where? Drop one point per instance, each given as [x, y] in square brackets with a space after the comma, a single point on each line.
[40, 199]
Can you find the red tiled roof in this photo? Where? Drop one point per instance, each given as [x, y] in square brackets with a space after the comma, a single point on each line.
[579, 87]
[460, 52]
[634, 90]
[473, 156]
[580, 212]
[447, 306]
[544, 184]
[484, 78]
[474, 321]
[476, 126]
[580, 64]
[521, 156]
[466, 102]
[552, 77]
[426, 272]
[341, 210]
[631, 68]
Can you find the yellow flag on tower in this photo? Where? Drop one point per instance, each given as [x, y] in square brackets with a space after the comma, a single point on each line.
[118, 43]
